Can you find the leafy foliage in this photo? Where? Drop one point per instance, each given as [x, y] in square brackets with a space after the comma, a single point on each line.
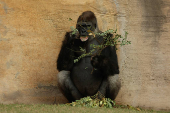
[93, 102]
[74, 30]
[111, 38]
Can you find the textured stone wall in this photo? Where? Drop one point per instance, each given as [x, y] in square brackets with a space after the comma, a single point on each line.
[31, 33]
[145, 64]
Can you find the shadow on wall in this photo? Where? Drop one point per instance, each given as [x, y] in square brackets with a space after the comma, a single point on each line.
[40, 94]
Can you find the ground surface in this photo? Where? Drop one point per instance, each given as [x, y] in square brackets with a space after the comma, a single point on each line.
[40, 108]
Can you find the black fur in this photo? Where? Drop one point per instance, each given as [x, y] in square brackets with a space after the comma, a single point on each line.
[91, 73]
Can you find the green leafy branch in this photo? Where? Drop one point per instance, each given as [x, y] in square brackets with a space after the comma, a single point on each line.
[111, 38]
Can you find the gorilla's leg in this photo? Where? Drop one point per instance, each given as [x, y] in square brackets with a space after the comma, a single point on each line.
[114, 86]
[110, 86]
[67, 87]
[103, 88]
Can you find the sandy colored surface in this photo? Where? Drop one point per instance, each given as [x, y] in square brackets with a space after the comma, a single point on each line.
[31, 33]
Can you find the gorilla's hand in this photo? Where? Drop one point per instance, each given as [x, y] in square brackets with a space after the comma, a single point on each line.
[95, 61]
[74, 34]
[105, 64]
[98, 61]
[69, 38]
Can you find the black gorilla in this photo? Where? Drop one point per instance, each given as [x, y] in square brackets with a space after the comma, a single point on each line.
[92, 73]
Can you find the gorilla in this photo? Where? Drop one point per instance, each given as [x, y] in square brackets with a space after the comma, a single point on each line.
[92, 73]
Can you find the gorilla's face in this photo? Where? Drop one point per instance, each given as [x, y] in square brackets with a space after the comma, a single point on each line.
[86, 24]
[85, 28]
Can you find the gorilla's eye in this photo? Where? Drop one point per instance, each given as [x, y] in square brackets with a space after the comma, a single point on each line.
[84, 26]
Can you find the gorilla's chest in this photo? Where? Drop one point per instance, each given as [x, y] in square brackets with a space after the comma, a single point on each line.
[86, 79]
[87, 47]
[84, 76]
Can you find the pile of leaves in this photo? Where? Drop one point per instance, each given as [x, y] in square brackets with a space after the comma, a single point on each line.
[98, 103]
[89, 102]
[93, 102]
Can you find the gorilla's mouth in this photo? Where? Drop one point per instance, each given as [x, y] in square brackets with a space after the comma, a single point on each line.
[84, 38]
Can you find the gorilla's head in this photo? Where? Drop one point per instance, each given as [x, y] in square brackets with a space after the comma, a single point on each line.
[86, 24]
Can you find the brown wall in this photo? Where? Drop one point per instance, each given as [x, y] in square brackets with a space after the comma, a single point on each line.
[31, 33]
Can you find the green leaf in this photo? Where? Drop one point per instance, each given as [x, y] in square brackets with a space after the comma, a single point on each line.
[69, 19]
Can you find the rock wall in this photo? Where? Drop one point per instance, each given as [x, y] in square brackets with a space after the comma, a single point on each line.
[145, 63]
[31, 33]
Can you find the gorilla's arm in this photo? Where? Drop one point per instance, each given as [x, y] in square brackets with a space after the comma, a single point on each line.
[65, 59]
[114, 59]
[107, 61]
